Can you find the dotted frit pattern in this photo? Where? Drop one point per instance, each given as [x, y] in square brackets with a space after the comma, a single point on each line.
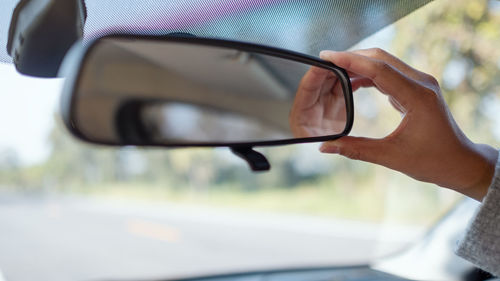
[300, 25]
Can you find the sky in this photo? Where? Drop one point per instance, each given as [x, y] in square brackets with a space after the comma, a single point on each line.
[27, 107]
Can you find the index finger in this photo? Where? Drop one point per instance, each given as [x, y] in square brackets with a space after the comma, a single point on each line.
[385, 77]
[376, 53]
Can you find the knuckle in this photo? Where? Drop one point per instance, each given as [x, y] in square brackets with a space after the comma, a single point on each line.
[432, 81]
[429, 92]
[378, 52]
[430, 96]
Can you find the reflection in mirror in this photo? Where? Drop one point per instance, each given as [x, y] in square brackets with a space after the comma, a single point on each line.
[175, 122]
[164, 92]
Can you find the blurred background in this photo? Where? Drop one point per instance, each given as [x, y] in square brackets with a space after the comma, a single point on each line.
[136, 212]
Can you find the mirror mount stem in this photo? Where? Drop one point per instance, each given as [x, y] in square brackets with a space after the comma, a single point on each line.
[256, 160]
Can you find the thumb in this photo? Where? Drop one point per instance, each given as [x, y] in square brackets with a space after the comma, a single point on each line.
[358, 148]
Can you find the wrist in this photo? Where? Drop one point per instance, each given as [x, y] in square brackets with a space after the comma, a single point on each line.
[483, 169]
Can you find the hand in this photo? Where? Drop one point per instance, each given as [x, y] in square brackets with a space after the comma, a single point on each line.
[319, 107]
[427, 145]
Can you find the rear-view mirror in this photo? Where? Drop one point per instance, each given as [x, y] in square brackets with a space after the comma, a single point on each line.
[177, 91]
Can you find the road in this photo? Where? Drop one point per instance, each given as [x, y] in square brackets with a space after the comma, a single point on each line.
[74, 238]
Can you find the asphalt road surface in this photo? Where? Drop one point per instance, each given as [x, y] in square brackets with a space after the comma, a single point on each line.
[73, 238]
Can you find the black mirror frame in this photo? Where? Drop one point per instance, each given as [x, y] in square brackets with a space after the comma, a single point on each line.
[79, 53]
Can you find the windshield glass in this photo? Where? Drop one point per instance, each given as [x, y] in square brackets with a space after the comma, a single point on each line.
[73, 211]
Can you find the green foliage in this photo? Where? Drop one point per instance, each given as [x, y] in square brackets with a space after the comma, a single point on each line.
[457, 42]
[454, 40]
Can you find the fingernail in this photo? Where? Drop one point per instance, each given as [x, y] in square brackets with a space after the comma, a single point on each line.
[324, 53]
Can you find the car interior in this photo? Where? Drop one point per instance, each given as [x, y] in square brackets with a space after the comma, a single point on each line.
[170, 150]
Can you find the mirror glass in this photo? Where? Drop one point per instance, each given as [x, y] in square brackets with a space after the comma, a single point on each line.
[154, 92]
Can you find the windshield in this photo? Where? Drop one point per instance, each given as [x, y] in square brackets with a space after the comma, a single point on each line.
[73, 211]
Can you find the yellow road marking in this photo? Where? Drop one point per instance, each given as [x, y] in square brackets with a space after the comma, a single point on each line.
[153, 230]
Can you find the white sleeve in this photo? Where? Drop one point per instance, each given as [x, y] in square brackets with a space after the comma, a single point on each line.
[481, 243]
